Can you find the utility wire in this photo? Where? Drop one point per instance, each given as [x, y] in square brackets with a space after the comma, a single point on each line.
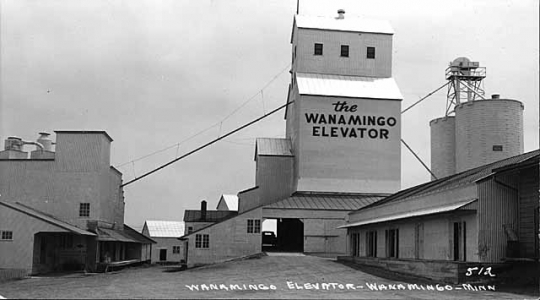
[414, 104]
[208, 128]
[207, 144]
[410, 149]
[420, 160]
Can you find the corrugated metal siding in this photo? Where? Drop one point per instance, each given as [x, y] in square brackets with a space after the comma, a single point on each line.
[497, 207]
[325, 202]
[482, 124]
[443, 146]
[165, 228]
[528, 205]
[348, 86]
[273, 147]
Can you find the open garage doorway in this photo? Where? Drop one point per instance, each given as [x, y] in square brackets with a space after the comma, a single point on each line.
[290, 235]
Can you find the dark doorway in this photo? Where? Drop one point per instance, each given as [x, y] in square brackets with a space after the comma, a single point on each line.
[290, 235]
[162, 254]
[460, 241]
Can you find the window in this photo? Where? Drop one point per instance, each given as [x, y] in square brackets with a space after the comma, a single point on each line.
[254, 226]
[497, 148]
[318, 49]
[190, 229]
[176, 249]
[392, 243]
[371, 52]
[371, 243]
[6, 235]
[344, 50]
[202, 241]
[84, 210]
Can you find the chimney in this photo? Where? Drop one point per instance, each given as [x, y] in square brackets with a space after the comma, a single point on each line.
[341, 14]
[203, 210]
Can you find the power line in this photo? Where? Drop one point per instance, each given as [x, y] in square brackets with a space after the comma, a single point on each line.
[414, 104]
[220, 123]
[207, 144]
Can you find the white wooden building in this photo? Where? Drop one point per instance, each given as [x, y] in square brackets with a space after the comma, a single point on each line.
[168, 249]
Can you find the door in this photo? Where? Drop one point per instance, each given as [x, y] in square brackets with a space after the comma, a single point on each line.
[162, 254]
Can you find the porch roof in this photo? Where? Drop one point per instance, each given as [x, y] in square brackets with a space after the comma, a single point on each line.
[46, 218]
[465, 205]
[113, 235]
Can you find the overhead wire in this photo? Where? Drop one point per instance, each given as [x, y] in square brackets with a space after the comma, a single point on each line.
[220, 123]
[207, 144]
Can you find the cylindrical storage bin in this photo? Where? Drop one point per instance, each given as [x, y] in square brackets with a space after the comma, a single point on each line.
[443, 145]
[488, 131]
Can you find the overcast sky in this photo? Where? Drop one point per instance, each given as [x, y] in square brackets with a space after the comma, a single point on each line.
[153, 73]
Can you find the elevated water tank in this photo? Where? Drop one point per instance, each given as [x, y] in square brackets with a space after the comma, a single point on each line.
[487, 131]
[443, 145]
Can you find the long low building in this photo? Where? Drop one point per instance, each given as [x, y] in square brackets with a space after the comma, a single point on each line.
[484, 217]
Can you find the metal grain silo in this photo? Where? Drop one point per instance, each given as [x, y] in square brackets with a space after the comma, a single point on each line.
[487, 131]
[443, 145]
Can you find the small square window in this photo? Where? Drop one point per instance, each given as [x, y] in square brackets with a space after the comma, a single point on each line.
[190, 229]
[318, 49]
[84, 210]
[344, 50]
[6, 236]
[176, 249]
[371, 52]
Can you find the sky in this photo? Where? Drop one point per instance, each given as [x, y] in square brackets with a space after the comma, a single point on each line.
[172, 75]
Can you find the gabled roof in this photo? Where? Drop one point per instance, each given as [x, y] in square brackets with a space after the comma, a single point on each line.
[211, 215]
[158, 229]
[347, 86]
[46, 217]
[348, 23]
[230, 200]
[325, 201]
[273, 147]
[461, 179]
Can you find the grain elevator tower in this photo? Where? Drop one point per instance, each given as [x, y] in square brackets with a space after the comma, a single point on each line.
[474, 131]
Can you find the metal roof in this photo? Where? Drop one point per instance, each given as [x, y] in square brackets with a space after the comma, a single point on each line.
[325, 201]
[112, 235]
[273, 147]
[138, 236]
[211, 215]
[461, 179]
[348, 23]
[46, 217]
[348, 86]
[231, 201]
[165, 228]
[414, 213]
